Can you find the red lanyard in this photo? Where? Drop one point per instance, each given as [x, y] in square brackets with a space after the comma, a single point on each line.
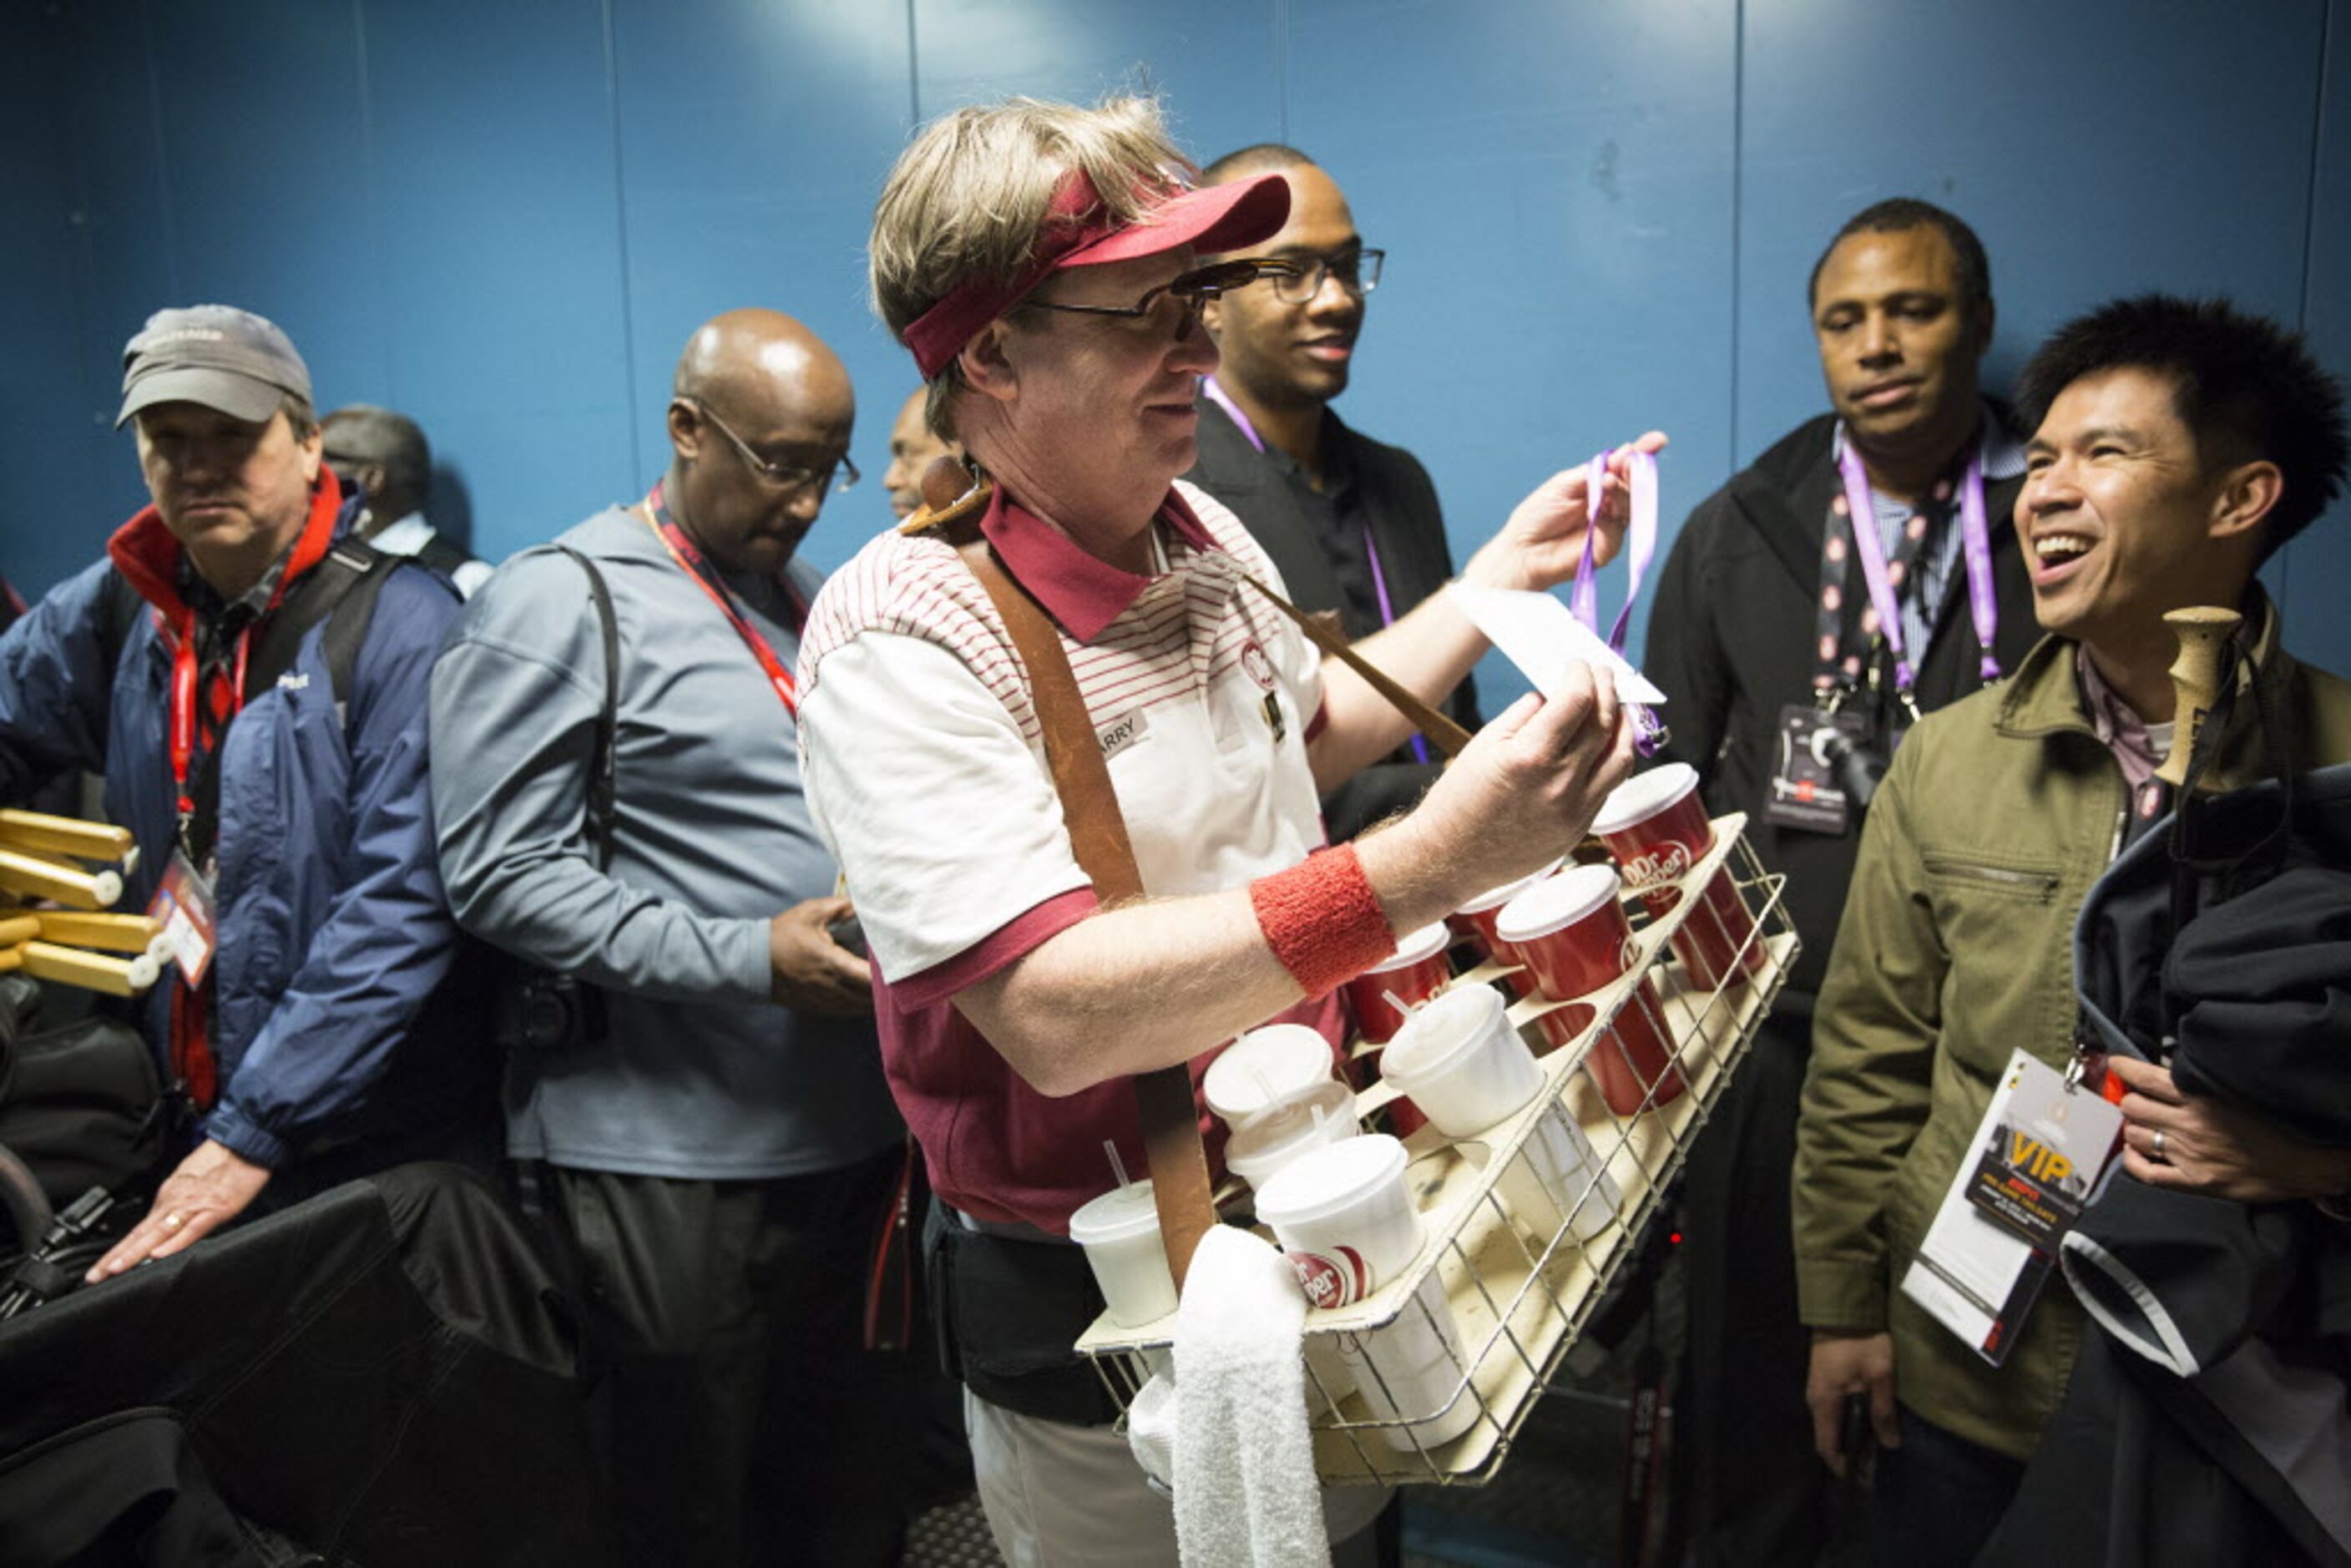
[184, 698]
[689, 561]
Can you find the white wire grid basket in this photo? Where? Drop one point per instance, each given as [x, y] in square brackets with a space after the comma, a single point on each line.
[1429, 1379]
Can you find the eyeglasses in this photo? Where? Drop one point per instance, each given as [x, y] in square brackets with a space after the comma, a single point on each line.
[785, 476]
[1358, 272]
[1192, 290]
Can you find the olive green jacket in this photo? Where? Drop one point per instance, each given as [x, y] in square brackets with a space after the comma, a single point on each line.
[1956, 947]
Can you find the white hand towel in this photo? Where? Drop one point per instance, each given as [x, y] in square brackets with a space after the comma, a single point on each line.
[1246, 1496]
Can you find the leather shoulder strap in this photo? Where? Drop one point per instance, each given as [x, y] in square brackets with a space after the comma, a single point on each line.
[1171, 1120]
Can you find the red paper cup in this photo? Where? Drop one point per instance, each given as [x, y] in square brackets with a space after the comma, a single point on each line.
[1418, 972]
[1657, 827]
[1575, 936]
[1476, 920]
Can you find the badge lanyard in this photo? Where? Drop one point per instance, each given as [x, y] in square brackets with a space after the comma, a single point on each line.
[689, 561]
[1641, 544]
[1975, 538]
[1223, 400]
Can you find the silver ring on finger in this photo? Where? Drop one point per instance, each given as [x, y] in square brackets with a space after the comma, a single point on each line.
[2154, 1150]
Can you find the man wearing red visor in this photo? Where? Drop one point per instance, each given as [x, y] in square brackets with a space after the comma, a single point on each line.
[1040, 261]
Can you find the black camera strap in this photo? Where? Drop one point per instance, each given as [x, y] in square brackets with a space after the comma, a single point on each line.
[603, 772]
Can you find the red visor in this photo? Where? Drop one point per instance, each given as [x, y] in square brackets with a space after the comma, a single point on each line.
[1219, 218]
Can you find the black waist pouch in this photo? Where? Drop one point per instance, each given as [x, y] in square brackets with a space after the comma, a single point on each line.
[1007, 1313]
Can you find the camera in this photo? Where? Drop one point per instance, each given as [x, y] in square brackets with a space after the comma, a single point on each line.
[538, 1010]
[1857, 767]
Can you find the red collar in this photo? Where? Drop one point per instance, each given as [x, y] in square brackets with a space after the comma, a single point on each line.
[145, 551]
[1083, 591]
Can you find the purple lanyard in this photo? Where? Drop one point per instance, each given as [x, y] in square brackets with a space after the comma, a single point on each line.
[1641, 544]
[1218, 395]
[1641, 539]
[1975, 538]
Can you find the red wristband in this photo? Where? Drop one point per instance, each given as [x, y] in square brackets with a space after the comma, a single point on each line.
[1322, 920]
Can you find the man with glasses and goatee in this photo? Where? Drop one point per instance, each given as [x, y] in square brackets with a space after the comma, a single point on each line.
[702, 1114]
[1353, 525]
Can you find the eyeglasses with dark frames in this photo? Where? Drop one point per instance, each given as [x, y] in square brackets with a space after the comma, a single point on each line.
[1192, 291]
[1358, 272]
[784, 475]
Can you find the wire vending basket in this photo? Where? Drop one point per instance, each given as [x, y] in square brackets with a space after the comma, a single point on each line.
[1429, 1376]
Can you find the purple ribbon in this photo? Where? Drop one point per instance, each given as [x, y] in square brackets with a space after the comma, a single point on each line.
[1975, 538]
[1641, 545]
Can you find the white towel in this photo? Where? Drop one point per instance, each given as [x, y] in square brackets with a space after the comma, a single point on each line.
[1246, 1496]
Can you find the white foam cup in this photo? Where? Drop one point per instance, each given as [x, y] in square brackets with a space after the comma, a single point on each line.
[1266, 1142]
[1344, 1216]
[1410, 1372]
[1558, 1178]
[1264, 1067]
[1469, 1071]
[1120, 1232]
[1462, 1062]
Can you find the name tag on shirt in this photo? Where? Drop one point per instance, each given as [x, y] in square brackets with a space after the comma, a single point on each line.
[2039, 1152]
[1123, 732]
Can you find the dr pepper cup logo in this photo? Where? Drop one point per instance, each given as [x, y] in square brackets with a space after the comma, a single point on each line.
[1332, 1281]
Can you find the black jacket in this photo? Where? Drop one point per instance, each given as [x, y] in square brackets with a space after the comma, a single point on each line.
[1408, 530]
[1731, 643]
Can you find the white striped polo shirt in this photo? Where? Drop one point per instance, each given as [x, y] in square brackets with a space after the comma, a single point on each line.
[926, 773]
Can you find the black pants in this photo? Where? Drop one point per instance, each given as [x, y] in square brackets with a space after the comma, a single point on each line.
[743, 1420]
[1749, 1487]
[1939, 1498]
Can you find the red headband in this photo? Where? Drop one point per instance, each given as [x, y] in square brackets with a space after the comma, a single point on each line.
[1079, 232]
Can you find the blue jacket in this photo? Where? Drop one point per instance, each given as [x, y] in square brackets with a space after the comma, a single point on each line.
[333, 930]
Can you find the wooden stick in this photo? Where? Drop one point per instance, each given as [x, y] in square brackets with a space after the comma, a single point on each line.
[110, 933]
[12, 959]
[19, 929]
[63, 836]
[92, 971]
[44, 878]
[2203, 633]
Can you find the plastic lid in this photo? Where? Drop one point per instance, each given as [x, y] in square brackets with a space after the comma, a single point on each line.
[1287, 1057]
[1329, 1181]
[1116, 1215]
[1557, 904]
[1270, 1140]
[1642, 796]
[1417, 947]
[1434, 1036]
[1509, 890]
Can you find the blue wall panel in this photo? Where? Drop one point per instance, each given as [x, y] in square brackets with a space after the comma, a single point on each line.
[1554, 187]
[2096, 150]
[492, 202]
[1217, 63]
[45, 528]
[752, 149]
[2318, 564]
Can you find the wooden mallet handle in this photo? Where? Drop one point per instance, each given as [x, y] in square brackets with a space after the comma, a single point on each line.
[39, 877]
[63, 836]
[2203, 632]
[93, 971]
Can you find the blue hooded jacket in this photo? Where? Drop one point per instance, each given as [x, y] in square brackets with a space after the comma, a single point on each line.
[333, 932]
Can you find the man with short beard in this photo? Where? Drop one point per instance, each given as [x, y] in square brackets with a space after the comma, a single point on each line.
[1765, 634]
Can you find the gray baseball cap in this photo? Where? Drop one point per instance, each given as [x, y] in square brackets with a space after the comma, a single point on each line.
[216, 355]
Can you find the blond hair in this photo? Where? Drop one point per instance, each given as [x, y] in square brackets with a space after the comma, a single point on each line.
[970, 197]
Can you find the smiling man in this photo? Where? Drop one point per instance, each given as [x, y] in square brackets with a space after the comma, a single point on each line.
[713, 1131]
[1353, 525]
[1764, 620]
[308, 1028]
[2179, 444]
